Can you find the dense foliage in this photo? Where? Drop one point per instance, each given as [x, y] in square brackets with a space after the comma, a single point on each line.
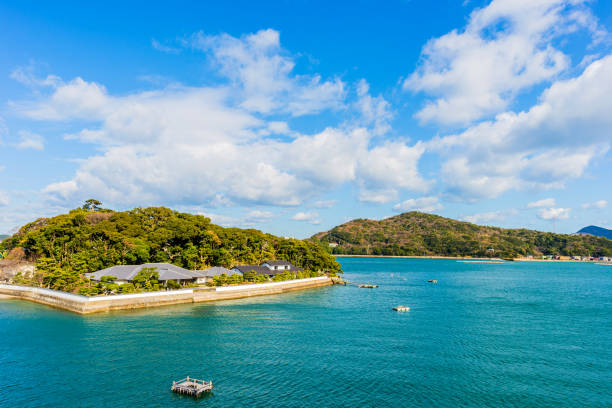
[416, 233]
[89, 239]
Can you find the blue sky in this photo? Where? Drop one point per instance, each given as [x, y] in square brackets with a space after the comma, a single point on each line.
[294, 116]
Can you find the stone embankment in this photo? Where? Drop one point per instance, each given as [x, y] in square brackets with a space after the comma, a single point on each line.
[84, 305]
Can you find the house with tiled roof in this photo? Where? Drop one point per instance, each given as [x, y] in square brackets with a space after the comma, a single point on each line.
[166, 271]
[269, 268]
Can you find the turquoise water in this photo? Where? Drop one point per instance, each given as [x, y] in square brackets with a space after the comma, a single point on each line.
[487, 335]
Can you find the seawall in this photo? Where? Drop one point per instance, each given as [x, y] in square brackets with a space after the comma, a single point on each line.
[85, 305]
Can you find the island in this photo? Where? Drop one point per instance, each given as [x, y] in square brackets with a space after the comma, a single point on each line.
[94, 253]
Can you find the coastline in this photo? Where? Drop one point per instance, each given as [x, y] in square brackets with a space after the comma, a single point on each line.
[85, 305]
[467, 258]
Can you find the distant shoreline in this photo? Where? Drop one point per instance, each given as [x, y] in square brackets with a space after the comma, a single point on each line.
[467, 258]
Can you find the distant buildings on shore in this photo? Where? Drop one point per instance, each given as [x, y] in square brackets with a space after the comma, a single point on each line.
[571, 258]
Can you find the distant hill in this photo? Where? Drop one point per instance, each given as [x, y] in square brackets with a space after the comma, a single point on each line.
[3, 237]
[416, 233]
[596, 231]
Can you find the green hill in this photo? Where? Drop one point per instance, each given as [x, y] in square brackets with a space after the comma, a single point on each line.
[82, 241]
[416, 233]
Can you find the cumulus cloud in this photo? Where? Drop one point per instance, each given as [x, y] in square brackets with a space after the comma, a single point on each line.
[258, 66]
[546, 202]
[311, 217]
[506, 47]
[487, 217]
[383, 170]
[29, 140]
[205, 145]
[423, 204]
[596, 204]
[537, 148]
[554, 213]
[374, 110]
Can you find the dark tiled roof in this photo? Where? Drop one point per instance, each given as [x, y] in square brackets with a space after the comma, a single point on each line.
[277, 263]
[127, 272]
[216, 271]
[260, 270]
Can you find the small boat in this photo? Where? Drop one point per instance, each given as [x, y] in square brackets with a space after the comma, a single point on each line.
[368, 286]
[401, 308]
[433, 281]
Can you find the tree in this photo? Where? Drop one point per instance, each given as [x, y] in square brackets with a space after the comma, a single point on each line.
[172, 284]
[92, 205]
[147, 279]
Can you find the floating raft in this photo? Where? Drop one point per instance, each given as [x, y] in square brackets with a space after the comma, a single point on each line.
[191, 386]
[368, 286]
[401, 308]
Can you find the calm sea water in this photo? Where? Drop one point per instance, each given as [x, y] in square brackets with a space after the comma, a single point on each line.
[487, 335]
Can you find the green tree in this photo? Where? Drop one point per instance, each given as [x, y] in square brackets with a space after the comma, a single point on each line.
[147, 279]
[92, 205]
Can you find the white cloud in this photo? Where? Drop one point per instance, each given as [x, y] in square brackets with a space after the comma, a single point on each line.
[164, 48]
[487, 217]
[596, 204]
[423, 204]
[385, 169]
[182, 145]
[223, 220]
[546, 202]
[538, 148]
[259, 216]
[554, 213]
[258, 66]
[311, 217]
[374, 110]
[506, 47]
[324, 203]
[4, 198]
[29, 140]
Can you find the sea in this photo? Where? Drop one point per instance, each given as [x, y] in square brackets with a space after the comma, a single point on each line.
[511, 334]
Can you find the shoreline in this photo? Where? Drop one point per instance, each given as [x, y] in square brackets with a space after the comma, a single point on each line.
[467, 258]
[85, 305]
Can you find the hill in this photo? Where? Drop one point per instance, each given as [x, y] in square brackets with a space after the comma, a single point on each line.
[416, 233]
[2, 237]
[69, 245]
[596, 231]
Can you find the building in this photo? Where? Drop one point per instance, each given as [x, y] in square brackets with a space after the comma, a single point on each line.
[332, 244]
[166, 271]
[269, 268]
[207, 275]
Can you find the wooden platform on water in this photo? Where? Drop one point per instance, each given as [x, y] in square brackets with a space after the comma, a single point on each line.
[191, 386]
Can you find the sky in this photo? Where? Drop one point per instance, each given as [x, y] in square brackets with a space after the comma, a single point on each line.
[295, 116]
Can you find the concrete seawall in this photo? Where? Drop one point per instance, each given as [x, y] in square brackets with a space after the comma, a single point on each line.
[84, 305]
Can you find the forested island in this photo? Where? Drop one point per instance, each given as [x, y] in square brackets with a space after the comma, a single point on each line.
[420, 234]
[66, 247]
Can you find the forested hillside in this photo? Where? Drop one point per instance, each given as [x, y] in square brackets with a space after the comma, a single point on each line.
[85, 240]
[416, 233]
